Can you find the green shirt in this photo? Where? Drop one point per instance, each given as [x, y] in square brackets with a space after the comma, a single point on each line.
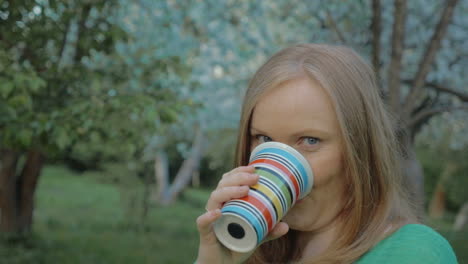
[412, 243]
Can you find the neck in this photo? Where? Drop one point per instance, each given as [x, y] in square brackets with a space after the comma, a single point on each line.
[318, 241]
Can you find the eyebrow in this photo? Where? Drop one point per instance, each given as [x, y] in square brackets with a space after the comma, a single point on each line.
[253, 128]
[298, 133]
[256, 130]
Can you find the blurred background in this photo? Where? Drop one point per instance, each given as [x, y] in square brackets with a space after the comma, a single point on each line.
[117, 118]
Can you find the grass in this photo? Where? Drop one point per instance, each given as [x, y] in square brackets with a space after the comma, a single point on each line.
[80, 219]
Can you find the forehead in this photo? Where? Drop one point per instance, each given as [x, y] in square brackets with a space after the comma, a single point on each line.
[298, 104]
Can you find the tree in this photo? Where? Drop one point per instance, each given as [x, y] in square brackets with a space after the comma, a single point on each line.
[41, 102]
[415, 100]
[72, 77]
[444, 138]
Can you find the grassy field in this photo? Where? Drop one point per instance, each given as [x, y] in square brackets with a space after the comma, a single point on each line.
[79, 219]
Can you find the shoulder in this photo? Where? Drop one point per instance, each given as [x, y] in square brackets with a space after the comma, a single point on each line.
[412, 243]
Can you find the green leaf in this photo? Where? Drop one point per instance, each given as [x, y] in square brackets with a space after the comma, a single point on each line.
[151, 114]
[21, 101]
[94, 136]
[25, 137]
[36, 83]
[7, 113]
[20, 80]
[62, 139]
[5, 88]
[169, 115]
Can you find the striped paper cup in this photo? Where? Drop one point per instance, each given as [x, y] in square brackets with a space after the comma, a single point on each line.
[285, 177]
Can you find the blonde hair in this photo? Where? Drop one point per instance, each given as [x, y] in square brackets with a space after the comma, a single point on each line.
[376, 199]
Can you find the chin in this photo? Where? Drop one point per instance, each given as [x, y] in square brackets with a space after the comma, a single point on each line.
[294, 222]
[299, 218]
[296, 226]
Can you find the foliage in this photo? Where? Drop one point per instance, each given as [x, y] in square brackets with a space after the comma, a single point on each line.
[433, 168]
[146, 76]
[149, 62]
[77, 82]
[448, 144]
[18, 84]
[37, 83]
[234, 37]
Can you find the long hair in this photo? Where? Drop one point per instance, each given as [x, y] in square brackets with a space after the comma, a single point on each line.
[375, 197]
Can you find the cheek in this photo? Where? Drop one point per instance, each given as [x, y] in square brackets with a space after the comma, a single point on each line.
[326, 167]
[253, 145]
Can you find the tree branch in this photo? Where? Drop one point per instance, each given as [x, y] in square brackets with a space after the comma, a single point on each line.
[428, 56]
[428, 102]
[424, 115]
[190, 164]
[441, 88]
[334, 26]
[461, 95]
[376, 27]
[398, 39]
[81, 29]
[161, 174]
[63, 43]
[457, 59]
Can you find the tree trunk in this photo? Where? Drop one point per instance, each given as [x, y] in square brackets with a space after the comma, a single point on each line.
[196, 179]
[413, 175]
[437, 204]
[17, 193]
[8, 205]
[189, 166]
[161, 176]
[27, 184]
[145, 201]
[167, 193]
[462, 218]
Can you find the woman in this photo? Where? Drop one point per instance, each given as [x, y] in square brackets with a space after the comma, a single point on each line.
[323, 101]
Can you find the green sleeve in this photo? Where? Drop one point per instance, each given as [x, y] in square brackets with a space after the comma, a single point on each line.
[411, 244]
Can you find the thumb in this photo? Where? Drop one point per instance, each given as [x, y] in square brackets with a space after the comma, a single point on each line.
[278, 231]
[204, 224]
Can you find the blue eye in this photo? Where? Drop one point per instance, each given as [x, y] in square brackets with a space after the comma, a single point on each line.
[263, 139]
[311, 140]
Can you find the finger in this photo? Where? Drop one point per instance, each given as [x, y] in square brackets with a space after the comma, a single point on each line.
[278, 231]
[248, 169]
[204, 225]
[222, 195]
[240, 178]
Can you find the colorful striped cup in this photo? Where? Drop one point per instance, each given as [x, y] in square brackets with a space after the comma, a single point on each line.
[285, 177]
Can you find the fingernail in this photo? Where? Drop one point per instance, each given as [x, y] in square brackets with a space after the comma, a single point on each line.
[254, 176]
[243, 188]
[216, 212]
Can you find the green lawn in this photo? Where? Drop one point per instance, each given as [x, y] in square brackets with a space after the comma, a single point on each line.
[81, 220]
[78, 220]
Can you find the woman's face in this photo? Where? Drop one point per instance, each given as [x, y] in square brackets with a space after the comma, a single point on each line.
[300, 113]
